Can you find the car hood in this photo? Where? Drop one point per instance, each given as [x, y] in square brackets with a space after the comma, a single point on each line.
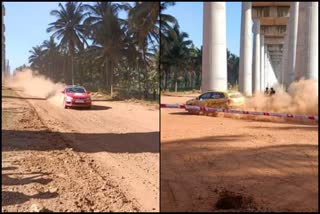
[78, 95]
[190, 101]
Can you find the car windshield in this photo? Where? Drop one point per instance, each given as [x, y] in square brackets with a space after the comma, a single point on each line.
[75, 90]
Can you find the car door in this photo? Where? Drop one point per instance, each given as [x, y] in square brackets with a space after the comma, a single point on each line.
[202, 99]
[216, 100]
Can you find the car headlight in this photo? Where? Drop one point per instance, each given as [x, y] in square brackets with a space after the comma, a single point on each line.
[69, 99]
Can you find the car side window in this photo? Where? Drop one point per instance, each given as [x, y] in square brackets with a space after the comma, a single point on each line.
[216, 95]
[205, 96]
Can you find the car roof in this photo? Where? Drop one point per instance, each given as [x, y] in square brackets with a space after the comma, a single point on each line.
[74, 86]
[215, 91]
[224, 92]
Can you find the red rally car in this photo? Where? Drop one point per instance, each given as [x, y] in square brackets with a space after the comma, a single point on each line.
[76, 96]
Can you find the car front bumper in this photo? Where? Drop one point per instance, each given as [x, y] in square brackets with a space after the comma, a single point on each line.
[74, 104]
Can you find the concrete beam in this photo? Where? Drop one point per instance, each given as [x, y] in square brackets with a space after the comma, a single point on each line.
[273, 30]
[275, 53]
[274, 20]
[273, 41]
[269, 4]
[275, 48]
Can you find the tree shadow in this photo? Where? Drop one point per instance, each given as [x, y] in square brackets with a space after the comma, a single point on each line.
[88, 142]
[13, 110]
[12, 198]
[24, 98]
[9, 168]
[10, 181]
[301, 127]
[210, 139]
[271, 119]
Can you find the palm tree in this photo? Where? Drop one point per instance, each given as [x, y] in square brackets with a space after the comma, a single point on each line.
[143, 26]
[232, 67]
[195, 62]
[36, 58]
[107, 31]
[143, 21]
[166, 21]
[69, 29]
[176, 53]
[51, 51]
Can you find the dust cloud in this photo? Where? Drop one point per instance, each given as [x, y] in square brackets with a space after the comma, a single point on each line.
[36, 86]
[300, 98]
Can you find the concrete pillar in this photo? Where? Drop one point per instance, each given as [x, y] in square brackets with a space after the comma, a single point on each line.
[269, 70]
[262, 87]
[245, 65]
[256, 56]
[214, 60]
[265, 55]
[301, 42]
[284, 68]
[312, 41]
[292, 41]
[272, 78]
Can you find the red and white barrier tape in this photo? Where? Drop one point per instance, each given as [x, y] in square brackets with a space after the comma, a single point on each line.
[234, 111]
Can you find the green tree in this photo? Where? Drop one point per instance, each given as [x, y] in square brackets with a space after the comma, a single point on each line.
[36, 58]
[232, 67]
[107, 31]
[175, 55]
[51, 52]
[68, 28]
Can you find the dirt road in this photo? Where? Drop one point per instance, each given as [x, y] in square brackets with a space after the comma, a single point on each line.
[104, 159]
[220, 164]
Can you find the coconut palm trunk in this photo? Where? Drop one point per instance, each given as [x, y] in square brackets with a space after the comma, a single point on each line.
[111, 77]
[106, 73]
[72, 71]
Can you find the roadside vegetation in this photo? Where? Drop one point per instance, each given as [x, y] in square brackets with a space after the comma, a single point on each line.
[92, 46]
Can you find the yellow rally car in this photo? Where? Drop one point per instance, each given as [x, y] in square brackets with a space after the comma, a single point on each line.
[218, 99]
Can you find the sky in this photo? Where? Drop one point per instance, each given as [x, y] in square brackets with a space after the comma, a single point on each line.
[26, 24]
[25, 27]
[190, 15]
